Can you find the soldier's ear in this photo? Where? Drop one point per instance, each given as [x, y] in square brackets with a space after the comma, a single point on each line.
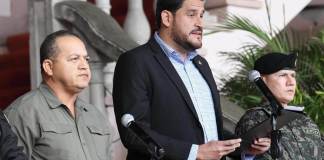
[48, 67]
[264, 79]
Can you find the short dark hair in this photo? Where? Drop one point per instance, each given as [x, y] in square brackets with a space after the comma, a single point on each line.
[49, 48]
[170, 5]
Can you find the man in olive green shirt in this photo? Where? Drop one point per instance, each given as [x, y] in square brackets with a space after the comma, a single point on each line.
[51, 121]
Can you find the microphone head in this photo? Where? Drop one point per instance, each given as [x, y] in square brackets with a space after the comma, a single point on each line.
[253, 75]
[126, 119]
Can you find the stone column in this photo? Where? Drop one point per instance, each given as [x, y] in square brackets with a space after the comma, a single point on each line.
[97, 86]
[104, 5]
[117, 149]
[136, 23]
[40, 24]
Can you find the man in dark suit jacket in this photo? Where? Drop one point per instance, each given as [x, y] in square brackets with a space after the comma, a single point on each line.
[9, 150]
[170, 90]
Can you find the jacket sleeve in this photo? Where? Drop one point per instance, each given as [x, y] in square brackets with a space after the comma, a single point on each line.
[131, 94]
[8, 142]
[250, 119]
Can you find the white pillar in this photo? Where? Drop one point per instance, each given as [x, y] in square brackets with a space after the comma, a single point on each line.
[108, 76]
[97, 87]
[136, 23]
[104, 5]
[117, 149]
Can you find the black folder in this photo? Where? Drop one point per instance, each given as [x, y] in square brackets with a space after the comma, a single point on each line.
[264, 128]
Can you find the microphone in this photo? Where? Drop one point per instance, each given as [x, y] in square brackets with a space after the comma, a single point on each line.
[156, 151]
[254, 76]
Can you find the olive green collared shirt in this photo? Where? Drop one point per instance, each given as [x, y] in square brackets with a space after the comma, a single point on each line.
[47, 130]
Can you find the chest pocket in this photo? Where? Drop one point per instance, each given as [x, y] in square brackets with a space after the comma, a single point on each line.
[56, 139]
[102, 140]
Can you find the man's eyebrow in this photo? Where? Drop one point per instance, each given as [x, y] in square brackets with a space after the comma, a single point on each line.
[195, 11]
[191, 10]
[73, 54]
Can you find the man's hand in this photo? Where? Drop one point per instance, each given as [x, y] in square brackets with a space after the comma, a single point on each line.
[259, 146]
[215, 150]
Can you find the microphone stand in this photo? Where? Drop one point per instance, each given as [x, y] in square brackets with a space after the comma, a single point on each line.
[155, 149]
[275, 148]
[156, 152]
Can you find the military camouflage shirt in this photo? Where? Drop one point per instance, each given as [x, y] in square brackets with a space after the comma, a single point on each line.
[301, 139]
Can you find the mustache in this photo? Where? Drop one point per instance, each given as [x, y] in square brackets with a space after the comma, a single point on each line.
[198, 29]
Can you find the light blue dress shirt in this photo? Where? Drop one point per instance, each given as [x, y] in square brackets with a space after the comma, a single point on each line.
[198, 90]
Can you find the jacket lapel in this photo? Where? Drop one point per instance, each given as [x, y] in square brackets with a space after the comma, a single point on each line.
[204, 69]
[172, 74]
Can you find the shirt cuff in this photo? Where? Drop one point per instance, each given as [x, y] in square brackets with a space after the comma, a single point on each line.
[193, 152]
[247, 156]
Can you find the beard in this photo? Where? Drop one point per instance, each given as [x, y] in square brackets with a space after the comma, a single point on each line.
[184, 41]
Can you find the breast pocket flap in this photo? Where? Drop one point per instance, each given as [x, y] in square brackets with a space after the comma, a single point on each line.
[57, 128]
[99, 131]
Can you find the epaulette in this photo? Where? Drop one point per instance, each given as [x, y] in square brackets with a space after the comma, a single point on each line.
[265, 108]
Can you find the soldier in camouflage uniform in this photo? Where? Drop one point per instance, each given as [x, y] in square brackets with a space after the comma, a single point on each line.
[301, 138]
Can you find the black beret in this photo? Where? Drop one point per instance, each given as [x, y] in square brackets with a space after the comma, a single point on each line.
[273, 62]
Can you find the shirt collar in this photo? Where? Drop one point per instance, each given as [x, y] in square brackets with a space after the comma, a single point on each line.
[294, 108]
[170, 52]
[54, 102]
